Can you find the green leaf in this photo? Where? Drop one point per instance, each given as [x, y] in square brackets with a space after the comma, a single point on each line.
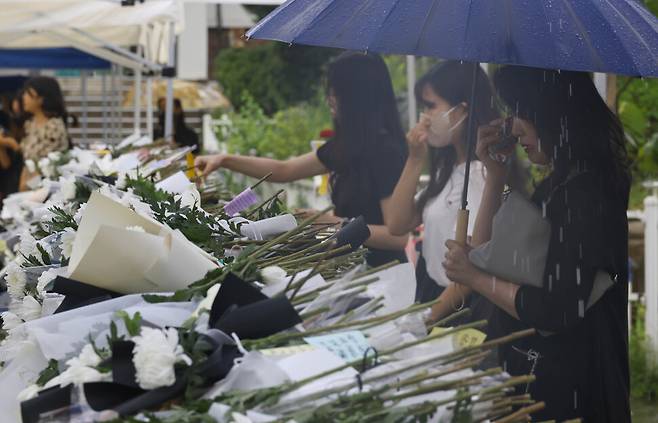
[48, 373]
[133, 324]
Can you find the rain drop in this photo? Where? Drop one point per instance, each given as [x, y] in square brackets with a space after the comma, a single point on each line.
[493, 284]
[557, 272]
[569, 216]
[570, 90]
[578, 275]
[581, 308]
[550, 283]
[575, 399]
[561, 235]
[580, 250]
[514, 257]
[550, 27]
[543, 209]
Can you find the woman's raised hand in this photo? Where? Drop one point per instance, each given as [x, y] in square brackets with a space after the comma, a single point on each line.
[208, 164]
[488, 136]
[417, 138]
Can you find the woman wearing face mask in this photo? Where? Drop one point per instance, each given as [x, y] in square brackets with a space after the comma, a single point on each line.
[439, 137]
[365, 158]
[580, 353]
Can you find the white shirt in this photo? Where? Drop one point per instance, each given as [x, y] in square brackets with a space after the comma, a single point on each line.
[440, 216]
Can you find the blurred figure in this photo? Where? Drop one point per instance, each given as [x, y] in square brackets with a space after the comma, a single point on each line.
[11, 133]
[184, 136]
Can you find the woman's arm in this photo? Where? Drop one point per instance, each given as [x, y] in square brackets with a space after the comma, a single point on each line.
[282, 170]
[381, 238]
[5, 160]
[399, 210]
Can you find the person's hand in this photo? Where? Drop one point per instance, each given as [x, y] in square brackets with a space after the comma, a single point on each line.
[9, 142]
[458, 266]
[326, 218]
[417, 139]
[208, 164]
[143, 154]
[488, 136]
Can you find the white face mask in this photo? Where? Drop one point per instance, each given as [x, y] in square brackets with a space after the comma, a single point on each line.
[441, 133]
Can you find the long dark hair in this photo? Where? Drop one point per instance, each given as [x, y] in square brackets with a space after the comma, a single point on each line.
[576, 128]
[367, 116]
[53, 105]
[453, 82]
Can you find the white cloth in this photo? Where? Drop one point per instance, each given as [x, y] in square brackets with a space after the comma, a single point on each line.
[440, 216]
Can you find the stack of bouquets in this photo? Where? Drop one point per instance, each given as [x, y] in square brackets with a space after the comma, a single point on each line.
[130, 300]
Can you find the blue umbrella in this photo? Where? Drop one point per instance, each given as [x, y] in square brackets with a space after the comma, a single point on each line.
[611, 36]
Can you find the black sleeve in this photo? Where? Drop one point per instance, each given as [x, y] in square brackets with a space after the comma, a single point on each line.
[328, 154]
[575, 254]
[386, 167]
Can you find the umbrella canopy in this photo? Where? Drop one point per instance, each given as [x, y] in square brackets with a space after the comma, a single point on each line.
[611, 36]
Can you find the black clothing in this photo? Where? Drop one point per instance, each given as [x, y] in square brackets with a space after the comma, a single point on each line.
[582, 365]
[358, 189]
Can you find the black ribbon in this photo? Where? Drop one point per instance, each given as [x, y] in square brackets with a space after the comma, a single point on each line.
[79, 294]
[241, 308]
[46, 401]
[355, 233]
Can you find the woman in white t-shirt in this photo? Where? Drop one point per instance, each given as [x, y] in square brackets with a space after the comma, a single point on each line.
[440, 138]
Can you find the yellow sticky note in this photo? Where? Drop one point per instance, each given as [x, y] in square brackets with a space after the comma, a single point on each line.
[191, 170]
[464, 338]
[323, 189]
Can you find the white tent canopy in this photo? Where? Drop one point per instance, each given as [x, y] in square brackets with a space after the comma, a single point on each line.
[90, 25]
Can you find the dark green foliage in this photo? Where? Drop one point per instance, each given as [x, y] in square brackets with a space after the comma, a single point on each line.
[48, 373]
[276, 75]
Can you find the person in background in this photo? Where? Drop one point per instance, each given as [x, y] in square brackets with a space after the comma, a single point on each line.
[11, 159]
[184, 136]
[46, 128]
[365, 157]
[579, 353]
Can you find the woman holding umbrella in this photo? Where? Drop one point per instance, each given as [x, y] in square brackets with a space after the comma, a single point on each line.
[440, 139]
[580, 352]
[365, 158]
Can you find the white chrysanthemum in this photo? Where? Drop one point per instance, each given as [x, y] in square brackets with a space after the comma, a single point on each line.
[81, 370]
[155, 354]
[67, 188]
[28, 393]
[31, 166]
[78, 214]
[43, 280]
[135, 228]
[109, 192]
[30, 309]
[10, 321]
[46, 167]
[16, 280]
[55, 155]
[67, 240]
[273, 274]
[28, 245]
[15, 344]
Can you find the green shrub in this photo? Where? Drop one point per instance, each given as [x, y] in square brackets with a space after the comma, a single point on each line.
[287, 133]
[643, 362]
[276, 75]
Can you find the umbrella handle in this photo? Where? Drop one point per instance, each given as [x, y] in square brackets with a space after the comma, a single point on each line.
[462, 226]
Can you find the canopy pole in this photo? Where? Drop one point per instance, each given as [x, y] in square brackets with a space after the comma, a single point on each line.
[85, 105]
[104, 104]
[411, 97]
[149, 106]
[169, 110]
[113, 111]
[137, 112]
[462, 218]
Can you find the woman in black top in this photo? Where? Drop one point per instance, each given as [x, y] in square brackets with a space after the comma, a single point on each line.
[365, 158]
[579, 354]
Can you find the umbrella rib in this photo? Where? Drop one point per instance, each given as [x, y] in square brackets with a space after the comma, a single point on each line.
[467, 24]
[585, 35]
[342, 28]
[634, 31]
[430, 12]
[388, 15]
